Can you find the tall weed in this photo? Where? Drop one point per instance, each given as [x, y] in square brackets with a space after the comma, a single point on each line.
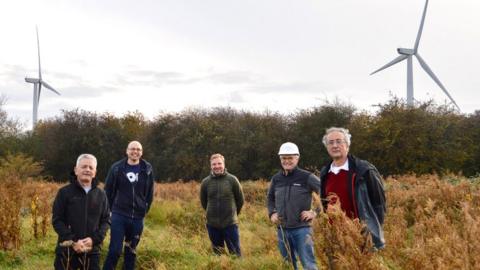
[10, 206]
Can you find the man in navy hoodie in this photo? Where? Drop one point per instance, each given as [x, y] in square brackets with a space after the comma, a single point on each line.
[129, 188]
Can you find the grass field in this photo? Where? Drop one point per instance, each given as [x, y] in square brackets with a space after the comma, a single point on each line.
[431, 223]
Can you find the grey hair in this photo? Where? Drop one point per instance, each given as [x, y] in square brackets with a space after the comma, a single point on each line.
[86, 156]
[344, 131]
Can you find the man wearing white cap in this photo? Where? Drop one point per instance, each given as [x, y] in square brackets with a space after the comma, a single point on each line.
[289, 207]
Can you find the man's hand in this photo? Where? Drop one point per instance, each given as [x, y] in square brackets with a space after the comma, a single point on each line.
[274, 218]
[83, 245]
[308, 215]
[88, 243]
[78, 246]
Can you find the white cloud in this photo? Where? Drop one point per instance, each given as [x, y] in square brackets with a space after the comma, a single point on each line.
[153, 56]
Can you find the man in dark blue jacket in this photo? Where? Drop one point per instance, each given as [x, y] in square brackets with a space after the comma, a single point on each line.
[355, 182]
[129, 187]
[80, 218]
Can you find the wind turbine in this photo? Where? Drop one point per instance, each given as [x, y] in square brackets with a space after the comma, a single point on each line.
[408, 54]
[37, 86]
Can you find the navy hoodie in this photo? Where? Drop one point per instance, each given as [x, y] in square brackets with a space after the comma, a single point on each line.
[127, 198]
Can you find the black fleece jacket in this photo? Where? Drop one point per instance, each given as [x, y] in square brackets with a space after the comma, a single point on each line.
[77, 215]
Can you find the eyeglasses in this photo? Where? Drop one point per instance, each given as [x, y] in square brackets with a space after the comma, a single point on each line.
[287, 157]
[337, 141]
[135, 149]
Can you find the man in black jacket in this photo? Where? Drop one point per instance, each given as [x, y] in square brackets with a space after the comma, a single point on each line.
[355, 182]
[289, 207]
[129, 188]
[80, 218]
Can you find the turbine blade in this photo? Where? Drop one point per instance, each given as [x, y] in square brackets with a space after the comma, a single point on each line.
[38, 49]
[391, 63]
[432, 75]
[49, 87]
[420, 29]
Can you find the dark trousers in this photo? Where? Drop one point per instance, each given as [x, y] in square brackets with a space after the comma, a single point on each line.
[123, 229]
[67, 259]
[228, 235]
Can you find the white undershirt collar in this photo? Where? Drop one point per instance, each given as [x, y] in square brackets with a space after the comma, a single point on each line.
[87, 189]
[335, 170]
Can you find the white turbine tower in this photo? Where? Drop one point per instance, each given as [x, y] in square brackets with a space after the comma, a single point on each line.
[37, 86]
[408, 54]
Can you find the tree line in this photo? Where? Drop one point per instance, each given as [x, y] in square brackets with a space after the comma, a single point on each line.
[397, 139]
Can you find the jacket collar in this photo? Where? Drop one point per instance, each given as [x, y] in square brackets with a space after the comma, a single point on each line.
[73, 180]
[285, 173]
[218, 175]
[354, 165]
[336, 169]
[142, 163]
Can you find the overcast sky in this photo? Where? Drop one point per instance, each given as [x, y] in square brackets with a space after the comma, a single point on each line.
[165, 56]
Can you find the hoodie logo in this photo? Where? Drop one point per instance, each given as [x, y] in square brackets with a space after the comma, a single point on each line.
[132, 177]
[297, 185]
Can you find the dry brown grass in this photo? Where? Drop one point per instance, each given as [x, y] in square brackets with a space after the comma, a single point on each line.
[177, 191]
[255, 191]
[431, 223]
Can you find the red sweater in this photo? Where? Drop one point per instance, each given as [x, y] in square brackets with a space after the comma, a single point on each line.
[339, 184]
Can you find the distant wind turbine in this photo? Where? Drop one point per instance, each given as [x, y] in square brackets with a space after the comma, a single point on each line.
[407, 54]
[37, 86]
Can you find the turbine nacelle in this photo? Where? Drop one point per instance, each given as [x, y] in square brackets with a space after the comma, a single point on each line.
[406, 51]
[32, 80]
